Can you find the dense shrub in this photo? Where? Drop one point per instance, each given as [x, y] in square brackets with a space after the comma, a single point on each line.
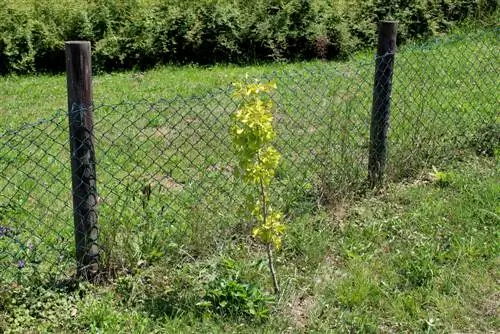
[143, 33]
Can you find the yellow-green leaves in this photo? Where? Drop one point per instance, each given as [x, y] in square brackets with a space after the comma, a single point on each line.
[261, 169]
[252, 132]
[270, 230]
[244, 89]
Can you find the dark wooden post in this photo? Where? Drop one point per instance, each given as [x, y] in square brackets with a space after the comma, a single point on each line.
[79, 73]
[386, 50]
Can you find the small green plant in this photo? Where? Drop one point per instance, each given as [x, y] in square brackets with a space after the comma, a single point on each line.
[442, 179]
[252, 132]
[232, 297]
[228, 294]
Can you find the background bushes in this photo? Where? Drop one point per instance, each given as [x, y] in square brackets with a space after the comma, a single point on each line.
[143, 33]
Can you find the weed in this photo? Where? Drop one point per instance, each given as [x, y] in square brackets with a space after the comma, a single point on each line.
[235, 298]
[442, 179]
[487, 140]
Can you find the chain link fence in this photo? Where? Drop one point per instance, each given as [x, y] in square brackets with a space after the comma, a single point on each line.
[165, 168]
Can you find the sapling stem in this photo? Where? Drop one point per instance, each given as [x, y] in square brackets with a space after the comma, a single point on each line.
[269, 249]
[270, 262]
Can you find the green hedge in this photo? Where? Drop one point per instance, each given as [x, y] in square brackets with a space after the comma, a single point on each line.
[142, 33]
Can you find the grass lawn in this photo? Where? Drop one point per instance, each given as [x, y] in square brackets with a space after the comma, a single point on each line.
[420, 256]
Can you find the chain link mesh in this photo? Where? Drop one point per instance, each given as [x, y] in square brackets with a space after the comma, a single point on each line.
[165, 168]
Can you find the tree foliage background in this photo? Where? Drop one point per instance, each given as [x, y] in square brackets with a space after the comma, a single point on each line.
[144, 33]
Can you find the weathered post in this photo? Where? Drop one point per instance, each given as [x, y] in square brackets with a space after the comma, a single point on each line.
[78, 67]
[384, 67]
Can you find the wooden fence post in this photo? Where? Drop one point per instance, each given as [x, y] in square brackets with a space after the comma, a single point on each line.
[384, 67]
[79, 73]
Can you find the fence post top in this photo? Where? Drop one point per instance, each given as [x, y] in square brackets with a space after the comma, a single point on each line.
[77, 42]
[388, 23]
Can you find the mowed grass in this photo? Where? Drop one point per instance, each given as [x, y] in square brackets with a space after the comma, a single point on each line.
[26, 99]
[377, 265]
